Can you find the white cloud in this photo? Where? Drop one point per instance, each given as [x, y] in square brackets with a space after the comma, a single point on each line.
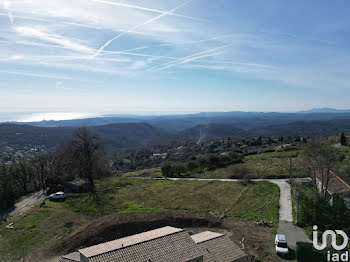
[13, 58]
[7, 5]
[40, 33]
[138, 65]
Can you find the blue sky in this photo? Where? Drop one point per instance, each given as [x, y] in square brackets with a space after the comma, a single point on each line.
[138, 56]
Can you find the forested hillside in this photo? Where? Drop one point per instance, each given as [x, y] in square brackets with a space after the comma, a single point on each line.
[115, 136]
[130, 135]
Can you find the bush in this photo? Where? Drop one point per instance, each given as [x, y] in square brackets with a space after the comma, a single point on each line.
[9, 190]
[328, 216]
[199, 165]
[240, 172]
[306, 253]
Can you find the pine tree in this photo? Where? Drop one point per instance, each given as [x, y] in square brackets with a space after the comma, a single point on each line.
[343, 139]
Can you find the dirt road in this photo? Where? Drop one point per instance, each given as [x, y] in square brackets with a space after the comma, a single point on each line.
[21, 205]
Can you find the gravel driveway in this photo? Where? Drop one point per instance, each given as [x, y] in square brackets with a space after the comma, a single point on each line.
[285, 212]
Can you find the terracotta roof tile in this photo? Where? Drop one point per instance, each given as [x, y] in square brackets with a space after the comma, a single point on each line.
[128, 241]
[177, 247]
[167, 244]
[221, 249]
[336, 185]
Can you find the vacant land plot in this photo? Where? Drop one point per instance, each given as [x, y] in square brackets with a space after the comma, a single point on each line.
[265, 165]
[42, 228]
[123, 195]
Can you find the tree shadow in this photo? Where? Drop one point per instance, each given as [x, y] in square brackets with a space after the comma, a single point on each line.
[291, 255]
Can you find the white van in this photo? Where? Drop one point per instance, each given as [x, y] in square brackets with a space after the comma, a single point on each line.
[281, 244]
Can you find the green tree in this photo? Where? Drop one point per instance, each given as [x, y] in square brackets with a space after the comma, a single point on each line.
[9, 190]
[343, 139]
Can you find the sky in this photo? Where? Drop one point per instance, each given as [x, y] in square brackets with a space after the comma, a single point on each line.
[90, 57]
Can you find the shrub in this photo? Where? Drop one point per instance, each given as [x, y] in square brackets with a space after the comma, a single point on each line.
[306, 253]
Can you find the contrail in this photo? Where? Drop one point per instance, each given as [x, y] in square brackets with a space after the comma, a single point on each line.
[180, 43]
[76, 24]
[189, 58]
[240, 63]
[145, 9]
[186, 61]
[137, 26]
[53, 21]
[104, 52]
[34, 75]
[138, 54]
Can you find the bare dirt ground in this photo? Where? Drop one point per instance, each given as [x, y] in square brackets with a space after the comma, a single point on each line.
[255, 240]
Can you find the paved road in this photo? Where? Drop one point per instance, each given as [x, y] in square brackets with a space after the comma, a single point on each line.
[293, 233]
[19, 206]
[285, 225]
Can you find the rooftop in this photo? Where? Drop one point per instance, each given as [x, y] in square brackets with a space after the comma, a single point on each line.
[73, 257]
[164, 244]
[220, 249]
[336, 185]
[205, 236]
[281, 238]
[128, 241]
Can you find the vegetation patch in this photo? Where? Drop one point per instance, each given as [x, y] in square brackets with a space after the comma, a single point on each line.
[266, 165]
[255, 201]
[282, 154]
[37, 230]
[42, 228]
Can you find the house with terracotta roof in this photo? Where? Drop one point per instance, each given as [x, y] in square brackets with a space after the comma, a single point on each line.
[336, 186]
[168, 244]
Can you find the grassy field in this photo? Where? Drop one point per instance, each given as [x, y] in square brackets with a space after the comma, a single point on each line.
[149, 172]
[268, 155]
[125, 195]
[37, 230]
[41, 228]
[265, 165]
[345, 150]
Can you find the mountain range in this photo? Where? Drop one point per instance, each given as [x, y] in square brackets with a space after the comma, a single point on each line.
[177, 123]
[124, 132]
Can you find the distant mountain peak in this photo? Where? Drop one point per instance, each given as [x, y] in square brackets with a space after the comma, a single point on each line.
[326, 110]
